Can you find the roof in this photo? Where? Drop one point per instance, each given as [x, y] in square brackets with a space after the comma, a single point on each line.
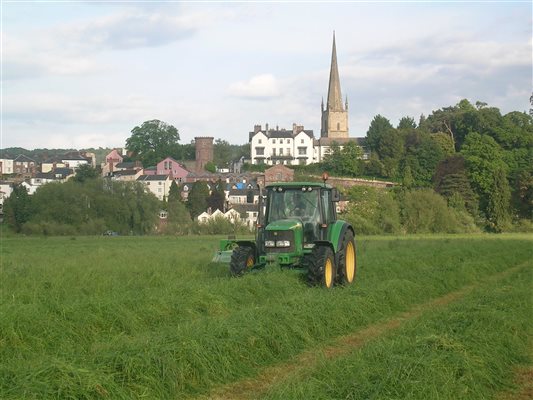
[128, 164]
[328, 141]
[23, 158]
[73, 156]
[242, 192]
[153, 178]
[126, 172]
[282, 133]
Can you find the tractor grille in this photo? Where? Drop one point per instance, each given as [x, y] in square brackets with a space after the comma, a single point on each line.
[280, 235]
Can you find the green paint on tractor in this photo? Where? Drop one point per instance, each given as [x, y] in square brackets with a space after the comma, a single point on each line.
[297, 228]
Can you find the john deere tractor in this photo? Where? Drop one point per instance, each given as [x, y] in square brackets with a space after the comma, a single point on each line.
[297, 228]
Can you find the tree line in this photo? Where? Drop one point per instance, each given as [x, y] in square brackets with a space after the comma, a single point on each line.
[473, 156]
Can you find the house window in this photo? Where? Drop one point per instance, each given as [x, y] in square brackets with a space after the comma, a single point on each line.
[301, 141]
[281, 141]
[288, 152]
[259, 141]
[273, 141]
[302, 151]
[338, 126]
[260, 151]
[280, 152]
[273, 152]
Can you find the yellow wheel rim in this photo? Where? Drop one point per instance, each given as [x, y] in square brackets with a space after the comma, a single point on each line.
[350, 262]
[249, 262]
[328, 273]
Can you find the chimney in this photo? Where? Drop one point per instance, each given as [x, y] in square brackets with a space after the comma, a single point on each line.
[257, 128]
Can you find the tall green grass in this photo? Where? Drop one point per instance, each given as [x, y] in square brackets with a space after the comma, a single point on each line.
[152, 317]
[463, 351]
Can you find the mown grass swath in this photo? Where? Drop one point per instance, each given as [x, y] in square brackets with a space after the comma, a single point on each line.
[465, 350]
[130, 317]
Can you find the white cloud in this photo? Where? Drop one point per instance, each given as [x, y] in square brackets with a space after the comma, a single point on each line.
[258, 87]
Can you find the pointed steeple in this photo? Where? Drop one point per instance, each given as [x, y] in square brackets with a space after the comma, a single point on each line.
[334, 90]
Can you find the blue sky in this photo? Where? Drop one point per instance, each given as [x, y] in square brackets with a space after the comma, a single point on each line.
[84, 74]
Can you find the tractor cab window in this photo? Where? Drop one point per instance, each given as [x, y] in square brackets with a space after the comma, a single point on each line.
[294, 203]
[327, 205]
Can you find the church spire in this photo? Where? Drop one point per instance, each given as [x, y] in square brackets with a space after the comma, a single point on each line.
[334, 91]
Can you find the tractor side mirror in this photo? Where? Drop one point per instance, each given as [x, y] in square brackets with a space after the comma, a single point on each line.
[335, 195]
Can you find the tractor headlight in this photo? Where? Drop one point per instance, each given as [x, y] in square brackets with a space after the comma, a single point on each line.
[283, 243]
[270, 243]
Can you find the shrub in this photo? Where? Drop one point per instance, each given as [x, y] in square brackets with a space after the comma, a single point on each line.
[424, 211]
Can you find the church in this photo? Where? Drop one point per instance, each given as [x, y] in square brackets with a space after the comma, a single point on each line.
[298, 146]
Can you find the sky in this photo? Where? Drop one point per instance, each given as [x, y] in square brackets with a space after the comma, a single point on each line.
[84, 74]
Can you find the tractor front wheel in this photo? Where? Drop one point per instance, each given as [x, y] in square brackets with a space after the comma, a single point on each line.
[242, 259]
[321, 266]
[347, 259]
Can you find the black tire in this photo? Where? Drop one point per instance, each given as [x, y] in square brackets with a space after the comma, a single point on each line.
[321, 267]
[347, 260]
[242, 259]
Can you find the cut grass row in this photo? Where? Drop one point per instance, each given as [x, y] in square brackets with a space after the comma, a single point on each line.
[466, 350]
[152, 317]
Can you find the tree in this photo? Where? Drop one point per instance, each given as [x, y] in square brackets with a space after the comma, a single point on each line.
[217, 198]
[498, 202]
[222, 153]
[407, 123]
[84, 172]
[378, 127]
[18, 207]
[174, 192]
[153, 141]
[197, 199]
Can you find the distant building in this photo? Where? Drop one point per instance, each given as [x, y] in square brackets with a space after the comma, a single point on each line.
[174, 169]
[299, 146]
[204, 152]
[159, 185]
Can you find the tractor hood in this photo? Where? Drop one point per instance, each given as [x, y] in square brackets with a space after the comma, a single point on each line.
[284, 225]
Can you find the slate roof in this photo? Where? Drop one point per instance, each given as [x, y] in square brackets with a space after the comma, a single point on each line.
[131, 165]
[282, 133]
[153, 178]
[23, 158]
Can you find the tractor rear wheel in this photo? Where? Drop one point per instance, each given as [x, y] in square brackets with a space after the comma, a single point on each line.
[242, 259]
[321, 266]
[347, 259]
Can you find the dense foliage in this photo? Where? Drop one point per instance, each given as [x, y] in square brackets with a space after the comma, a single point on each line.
[477, 159]
[89, 207]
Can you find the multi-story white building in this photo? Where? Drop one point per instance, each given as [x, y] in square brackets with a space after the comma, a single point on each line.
[275, 146]
[298, 146]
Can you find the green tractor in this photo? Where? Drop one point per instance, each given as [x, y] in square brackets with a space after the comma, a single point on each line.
[297, 227]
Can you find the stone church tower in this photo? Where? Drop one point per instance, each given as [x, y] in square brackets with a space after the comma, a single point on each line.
[335, 116]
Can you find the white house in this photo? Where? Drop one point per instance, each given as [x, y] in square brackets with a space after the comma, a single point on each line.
[6, 165]
[293, 147]
[281, 146]
[159, 185]
[231, 215]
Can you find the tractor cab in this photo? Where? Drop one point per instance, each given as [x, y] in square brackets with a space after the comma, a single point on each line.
[309, 205]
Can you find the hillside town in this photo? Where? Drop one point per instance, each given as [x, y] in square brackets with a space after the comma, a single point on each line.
[276, 148]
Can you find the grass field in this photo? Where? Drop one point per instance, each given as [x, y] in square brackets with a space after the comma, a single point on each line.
[444, 317]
